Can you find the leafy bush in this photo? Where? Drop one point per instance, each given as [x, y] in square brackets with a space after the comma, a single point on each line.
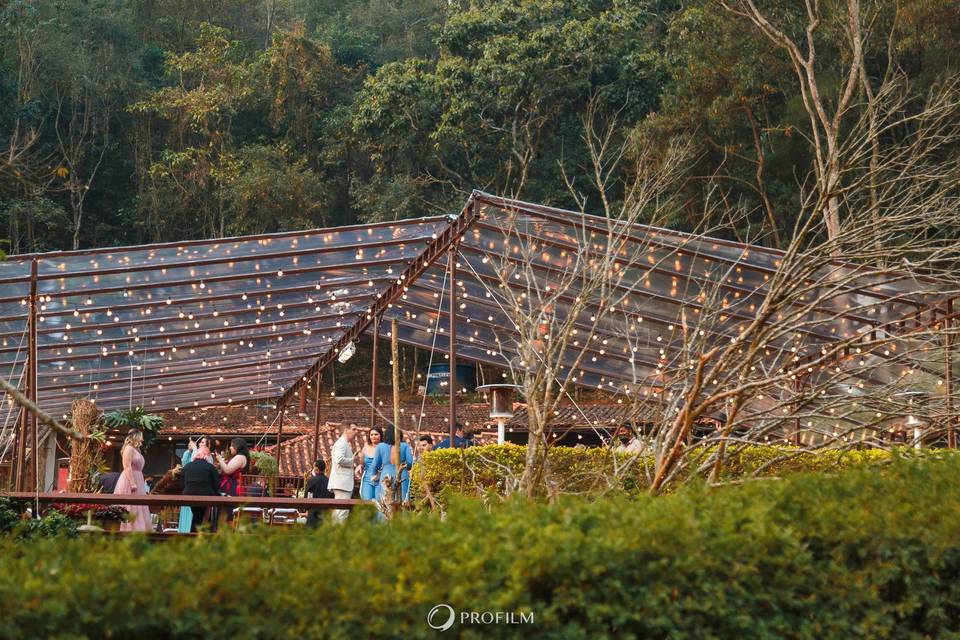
[77, 511]
[265, 463]
[138, 418]
[54, 523]
[866, 553]
[571, 469]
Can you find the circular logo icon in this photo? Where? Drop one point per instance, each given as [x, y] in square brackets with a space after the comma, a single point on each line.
[441, 617]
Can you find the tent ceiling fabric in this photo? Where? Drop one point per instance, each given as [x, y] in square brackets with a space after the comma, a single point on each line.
[207, 322]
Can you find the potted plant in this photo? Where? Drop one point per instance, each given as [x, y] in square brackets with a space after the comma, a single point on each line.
[149, 424]
[268, 467]
[107, 517]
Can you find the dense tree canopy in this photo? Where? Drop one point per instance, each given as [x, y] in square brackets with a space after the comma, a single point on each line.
[124, 122]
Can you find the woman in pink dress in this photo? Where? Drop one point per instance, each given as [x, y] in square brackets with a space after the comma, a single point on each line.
[131, 482]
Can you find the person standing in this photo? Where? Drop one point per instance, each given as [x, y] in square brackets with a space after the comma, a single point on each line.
[462, 438]
[383, 467]
[131, 482]
[186, 514]
[231, 471]
[200, 478]
[317, 488]
[424, 444]
[368, 490]
[341, 475]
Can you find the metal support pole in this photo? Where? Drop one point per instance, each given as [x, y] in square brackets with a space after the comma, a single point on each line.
[948, 375]
[452, 380]
[373, 383]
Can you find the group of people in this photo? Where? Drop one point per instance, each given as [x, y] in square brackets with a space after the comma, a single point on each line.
[203, 472]
[381, 477]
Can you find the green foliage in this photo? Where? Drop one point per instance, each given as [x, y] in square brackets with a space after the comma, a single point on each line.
[136, 418]
[865, 553]
[478, 470]
[265, 463]
[244, 117]
[53, 524]
[504, 102]
[8, 516]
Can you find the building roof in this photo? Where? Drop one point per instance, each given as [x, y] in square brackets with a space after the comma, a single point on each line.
[195, 323]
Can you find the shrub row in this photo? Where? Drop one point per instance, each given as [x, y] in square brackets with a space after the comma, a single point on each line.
[582, 469]
[866, 553]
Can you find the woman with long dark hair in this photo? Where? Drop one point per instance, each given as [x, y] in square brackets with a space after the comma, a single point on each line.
[231, 472]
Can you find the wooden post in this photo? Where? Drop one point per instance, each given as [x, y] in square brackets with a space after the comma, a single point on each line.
[395, 449]
[283, 409]
[34, 427]
[302, 399]
[452, 380]
[373, 383]
[28, 420]
[316, 415]
[394, 361]
[948, 375]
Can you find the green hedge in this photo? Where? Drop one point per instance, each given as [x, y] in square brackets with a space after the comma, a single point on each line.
[577, 469]
[867, 553]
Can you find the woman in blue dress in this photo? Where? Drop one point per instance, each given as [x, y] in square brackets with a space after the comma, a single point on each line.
[186, 514]
[368, 490]
[383, 467]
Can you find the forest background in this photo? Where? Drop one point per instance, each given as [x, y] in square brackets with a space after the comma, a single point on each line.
[160, 120]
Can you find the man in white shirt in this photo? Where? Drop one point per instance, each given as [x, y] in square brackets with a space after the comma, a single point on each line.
[341, 475]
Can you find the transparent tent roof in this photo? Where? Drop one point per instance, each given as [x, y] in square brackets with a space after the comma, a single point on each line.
[196, 322]
[210, 322]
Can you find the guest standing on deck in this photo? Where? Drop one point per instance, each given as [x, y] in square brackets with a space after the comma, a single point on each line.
[383, 468]
[186, 515]
[368, 490]
[317, 488]
[131, 482]
[232, 469]
[200, 478]
[462, 438]
[341, 475]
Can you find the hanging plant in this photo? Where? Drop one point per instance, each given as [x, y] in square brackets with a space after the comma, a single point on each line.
[148, 423]
[268, 467]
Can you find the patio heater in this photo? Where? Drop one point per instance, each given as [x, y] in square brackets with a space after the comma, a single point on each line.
[917, 427]
[501, 405]
[912, 423]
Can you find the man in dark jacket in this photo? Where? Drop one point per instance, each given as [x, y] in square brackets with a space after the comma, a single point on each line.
[200, 478]
[317, 488]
